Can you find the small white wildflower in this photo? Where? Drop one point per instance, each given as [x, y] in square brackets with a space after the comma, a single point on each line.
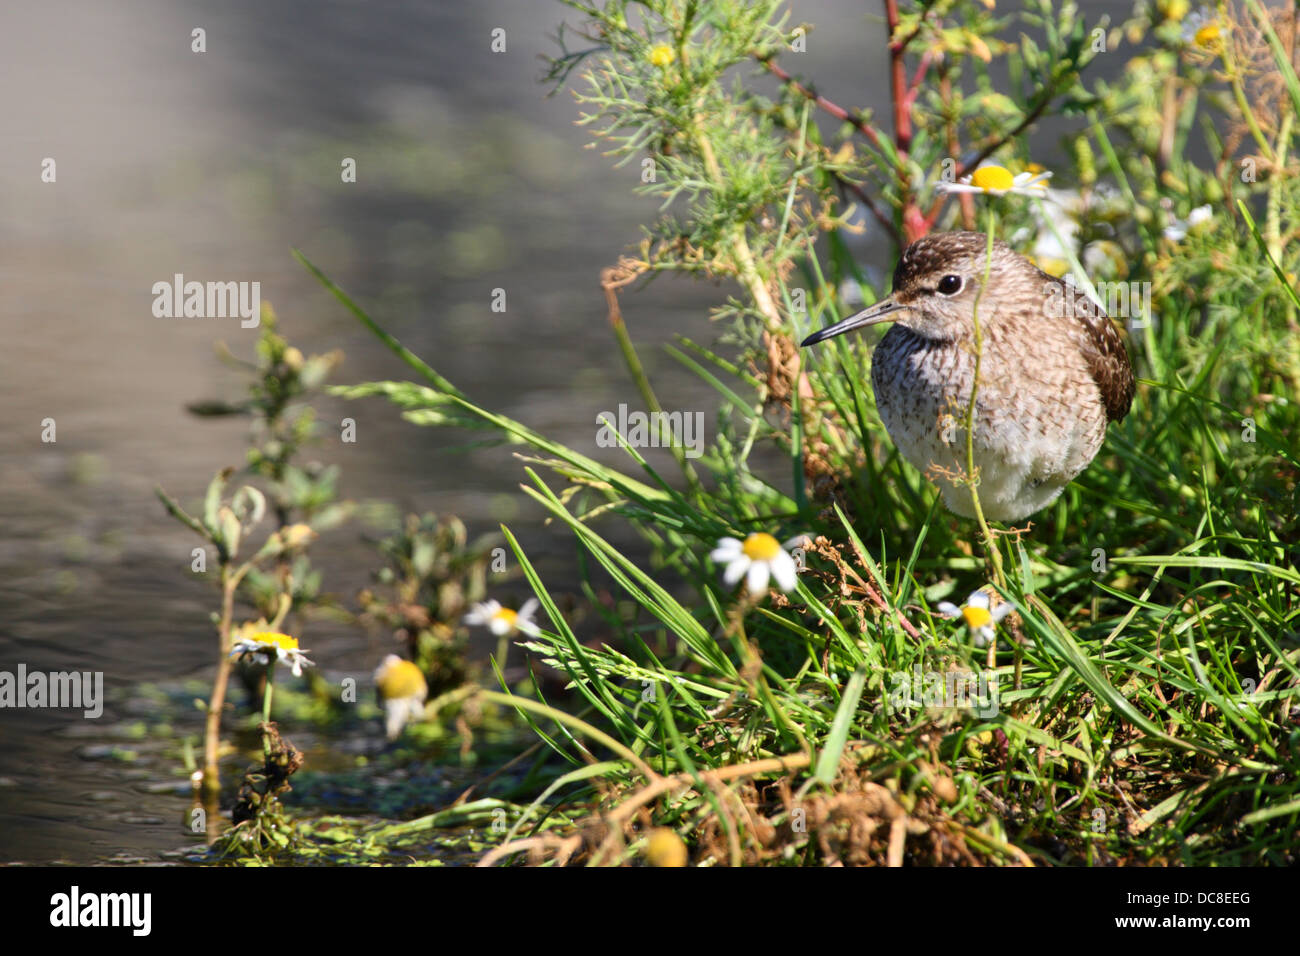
[260, 647]
[1177, 230]
[1202, 29]
[758, 558]
[993, 180]
[980, 621]
[402, 690]
[502, 621]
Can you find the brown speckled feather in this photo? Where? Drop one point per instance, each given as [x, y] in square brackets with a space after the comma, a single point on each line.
[1102, 347]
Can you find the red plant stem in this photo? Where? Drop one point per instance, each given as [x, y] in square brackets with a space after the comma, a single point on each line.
[855, 120]
[914, 88]
[839, 112]
[898, 82]
[902, 96]
[954, 144]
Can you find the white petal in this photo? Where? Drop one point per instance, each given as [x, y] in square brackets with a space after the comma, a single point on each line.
[482, 613]
[978, 599]
[736, 570]
[948, 609]
[498, 627]
[728, 549]
[1033, 183]
[1002, 610]
[983, 636]
[783, 569]
[756, 580]
[798, 541]
[528, 627]
[528, 610]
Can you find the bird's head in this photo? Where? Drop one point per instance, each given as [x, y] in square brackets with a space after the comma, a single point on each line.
[937, 283]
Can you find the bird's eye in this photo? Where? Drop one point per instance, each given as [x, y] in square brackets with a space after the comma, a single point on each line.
[950, 285]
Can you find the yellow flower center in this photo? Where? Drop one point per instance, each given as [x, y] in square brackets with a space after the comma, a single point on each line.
[992, 177]
[976, 616]
[506, 615]
[662, 55]
[276, 639]
[761, 546]
[1207, 35]
[1053, 267]
[401, 679]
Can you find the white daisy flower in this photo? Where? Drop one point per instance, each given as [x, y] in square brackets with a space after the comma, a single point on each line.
[1179, 228]
[1202, 29]
[502, 621]
[980, 620]
[1055, 231]
[757, 559]
[262, 645]
[402, 689]
[994, 180]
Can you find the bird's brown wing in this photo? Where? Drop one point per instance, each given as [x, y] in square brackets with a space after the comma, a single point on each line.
[1103, 349]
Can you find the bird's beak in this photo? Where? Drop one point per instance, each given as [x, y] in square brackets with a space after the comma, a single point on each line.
[880, 312]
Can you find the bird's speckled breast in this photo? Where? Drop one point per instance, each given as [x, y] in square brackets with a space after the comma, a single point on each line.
[918, 382]
[1039, 416]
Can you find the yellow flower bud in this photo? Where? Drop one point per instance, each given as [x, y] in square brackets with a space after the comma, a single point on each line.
[662, 55]
[1174, 9]
[296, 536]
